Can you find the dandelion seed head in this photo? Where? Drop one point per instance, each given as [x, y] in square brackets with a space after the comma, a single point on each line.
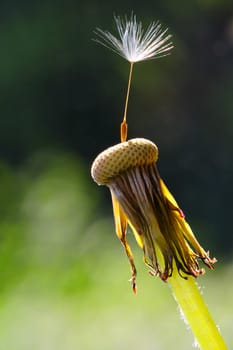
[133, 42]
[142, 200]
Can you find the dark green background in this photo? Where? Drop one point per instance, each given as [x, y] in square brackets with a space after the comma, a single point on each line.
[63, 273]
[60, 91]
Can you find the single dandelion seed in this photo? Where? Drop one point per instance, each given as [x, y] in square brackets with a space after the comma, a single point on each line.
[142, 201]
[135, 45]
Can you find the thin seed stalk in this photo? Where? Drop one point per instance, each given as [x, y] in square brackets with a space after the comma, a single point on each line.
[189, 298]
[124, 127]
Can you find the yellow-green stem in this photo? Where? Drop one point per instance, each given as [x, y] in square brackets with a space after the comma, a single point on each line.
[188, 297]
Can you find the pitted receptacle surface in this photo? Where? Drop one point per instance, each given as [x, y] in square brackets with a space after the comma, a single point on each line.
[118, 158]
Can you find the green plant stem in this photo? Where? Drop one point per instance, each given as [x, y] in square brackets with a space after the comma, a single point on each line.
[188, 297]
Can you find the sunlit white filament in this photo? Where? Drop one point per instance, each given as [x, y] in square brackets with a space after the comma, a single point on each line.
[134, 44]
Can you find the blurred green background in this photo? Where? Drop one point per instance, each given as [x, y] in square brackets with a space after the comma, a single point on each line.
[63, 273]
